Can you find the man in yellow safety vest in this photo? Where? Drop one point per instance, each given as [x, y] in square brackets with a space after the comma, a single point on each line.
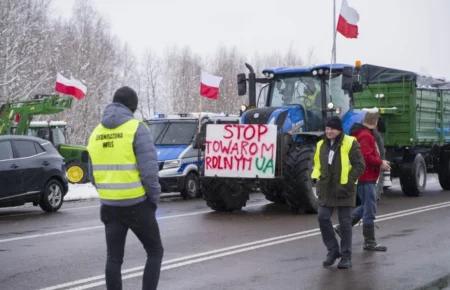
[337, 165]
[125, 173]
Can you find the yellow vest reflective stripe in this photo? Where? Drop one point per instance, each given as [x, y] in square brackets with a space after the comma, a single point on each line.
[346, 146]
[114, 164]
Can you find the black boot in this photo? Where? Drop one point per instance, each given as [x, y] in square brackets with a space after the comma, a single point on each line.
[337, 228]
[345, 263]
[370, 244]
[331, 259]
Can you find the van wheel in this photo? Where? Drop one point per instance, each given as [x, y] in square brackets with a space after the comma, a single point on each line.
[191, 186]
[52, 197]
[413, 176]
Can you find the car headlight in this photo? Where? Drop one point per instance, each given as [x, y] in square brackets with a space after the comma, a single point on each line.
[171, 164]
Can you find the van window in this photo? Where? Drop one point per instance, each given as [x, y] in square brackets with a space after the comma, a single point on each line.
[5, 150]
[178, 134]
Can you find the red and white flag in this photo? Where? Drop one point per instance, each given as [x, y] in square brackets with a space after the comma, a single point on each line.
[72, 87]
[348, 19]
[209, 85]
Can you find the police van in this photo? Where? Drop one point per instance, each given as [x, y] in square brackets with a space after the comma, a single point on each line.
[178, 160]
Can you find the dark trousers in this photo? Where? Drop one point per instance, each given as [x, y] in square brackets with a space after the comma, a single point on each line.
[328, 235]
[140, 218]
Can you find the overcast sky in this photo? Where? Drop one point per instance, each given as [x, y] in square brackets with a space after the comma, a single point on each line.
[406, 34]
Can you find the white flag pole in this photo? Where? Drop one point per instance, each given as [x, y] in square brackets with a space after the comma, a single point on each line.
[333, 53]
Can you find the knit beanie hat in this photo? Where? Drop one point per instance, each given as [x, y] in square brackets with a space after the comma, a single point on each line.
[126, 96]
[335, 123]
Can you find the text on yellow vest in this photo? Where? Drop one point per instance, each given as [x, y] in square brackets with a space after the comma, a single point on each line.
[114, 162]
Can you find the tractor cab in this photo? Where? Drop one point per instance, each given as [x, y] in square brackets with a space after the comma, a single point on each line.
[53, 131]
[301, 98]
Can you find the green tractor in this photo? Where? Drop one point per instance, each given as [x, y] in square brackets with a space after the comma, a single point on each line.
[15, 118]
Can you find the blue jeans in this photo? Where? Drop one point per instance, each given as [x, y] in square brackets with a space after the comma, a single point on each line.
[368, 207]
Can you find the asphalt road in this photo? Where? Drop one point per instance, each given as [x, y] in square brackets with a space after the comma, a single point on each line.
[262, 247]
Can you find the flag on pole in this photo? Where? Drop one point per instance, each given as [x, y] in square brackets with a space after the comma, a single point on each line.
[72, 87]
[347, 22]
[209, 85]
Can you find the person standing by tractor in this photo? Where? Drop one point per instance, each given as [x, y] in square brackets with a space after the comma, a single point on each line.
[338, 163]
[125, 173]
[366, 188]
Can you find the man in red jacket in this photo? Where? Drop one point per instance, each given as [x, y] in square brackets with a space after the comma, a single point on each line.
[366, 187]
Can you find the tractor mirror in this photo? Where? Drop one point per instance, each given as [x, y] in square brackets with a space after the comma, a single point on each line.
[242, 84]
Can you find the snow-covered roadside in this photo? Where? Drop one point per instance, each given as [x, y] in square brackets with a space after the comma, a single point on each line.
[87, 191]
[81, 191]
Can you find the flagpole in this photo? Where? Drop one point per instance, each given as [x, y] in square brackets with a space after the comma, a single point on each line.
[333, 52]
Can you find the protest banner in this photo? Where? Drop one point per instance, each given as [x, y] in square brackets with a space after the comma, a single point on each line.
[240, 150]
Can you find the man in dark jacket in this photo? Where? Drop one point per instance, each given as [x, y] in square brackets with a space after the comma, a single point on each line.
[367, 182]
[125, 173]
[337, 165]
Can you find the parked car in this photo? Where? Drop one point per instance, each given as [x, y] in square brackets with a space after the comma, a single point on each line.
[31, 170]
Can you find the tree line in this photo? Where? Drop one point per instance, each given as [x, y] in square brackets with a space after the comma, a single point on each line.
[35, 46]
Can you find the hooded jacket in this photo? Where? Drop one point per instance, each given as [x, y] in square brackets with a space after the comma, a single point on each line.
[116, 114]
[370, 152]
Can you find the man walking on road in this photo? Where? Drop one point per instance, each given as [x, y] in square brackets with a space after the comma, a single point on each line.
[125, 173]
[337, 165]
[367, 182]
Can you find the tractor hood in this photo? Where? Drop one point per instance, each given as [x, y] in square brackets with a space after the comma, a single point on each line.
[284, 117]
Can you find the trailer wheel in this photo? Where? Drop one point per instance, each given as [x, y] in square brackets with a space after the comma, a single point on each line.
[76, 172]
[413, 176]
[273, 190]
[444, 170]
[223, 194]
[300, 194]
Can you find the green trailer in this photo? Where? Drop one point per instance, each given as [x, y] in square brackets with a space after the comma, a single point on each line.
[415, 123]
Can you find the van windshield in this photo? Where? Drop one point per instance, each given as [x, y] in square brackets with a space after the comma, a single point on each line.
[173, 133]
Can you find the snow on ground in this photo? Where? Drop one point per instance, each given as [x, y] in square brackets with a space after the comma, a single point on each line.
[87, 191]
[81, 191]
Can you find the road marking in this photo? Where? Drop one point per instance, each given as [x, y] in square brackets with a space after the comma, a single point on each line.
[228, 251]
[83, 229]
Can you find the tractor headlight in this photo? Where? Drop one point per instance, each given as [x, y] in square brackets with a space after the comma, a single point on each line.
[243, 108]
[171, 164]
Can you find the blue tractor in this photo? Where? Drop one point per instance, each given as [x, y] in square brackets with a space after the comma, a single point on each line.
[298, 101]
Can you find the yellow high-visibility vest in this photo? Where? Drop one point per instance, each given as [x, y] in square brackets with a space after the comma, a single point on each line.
[114, 163]
[345, 159]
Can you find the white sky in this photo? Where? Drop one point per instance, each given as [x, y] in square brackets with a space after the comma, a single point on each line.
[406, 34]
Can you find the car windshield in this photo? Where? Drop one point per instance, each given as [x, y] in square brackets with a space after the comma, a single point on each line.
[173, 133]
[298, 90]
